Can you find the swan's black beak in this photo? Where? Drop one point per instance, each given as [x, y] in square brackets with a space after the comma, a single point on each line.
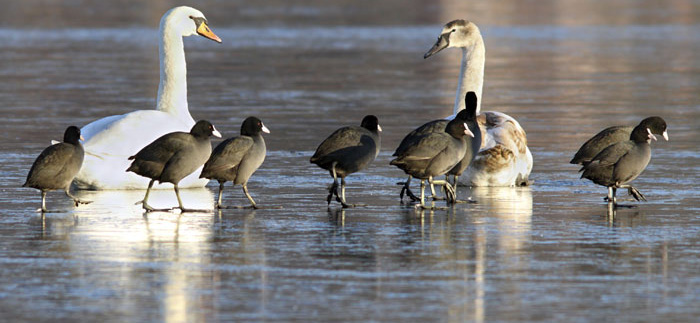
[442, 42]
[204, 31]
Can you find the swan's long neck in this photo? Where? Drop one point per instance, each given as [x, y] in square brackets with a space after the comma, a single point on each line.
[471, 74]
[172, 90]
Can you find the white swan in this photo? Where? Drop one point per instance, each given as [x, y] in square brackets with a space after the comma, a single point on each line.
[110, 141]
[504, 158]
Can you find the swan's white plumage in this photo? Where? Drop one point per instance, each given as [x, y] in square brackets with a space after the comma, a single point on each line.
[111, 140]
[504, 158]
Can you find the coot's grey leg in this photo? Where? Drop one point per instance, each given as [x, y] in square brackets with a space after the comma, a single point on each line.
[245, 191]
[422, 194]
[144, 202]
[76, 200]
[407, 188]
[43, 202]
[179, 202]
[449, 190]
[342, 201]
[333, 189]
[631, 190]
[221, 193]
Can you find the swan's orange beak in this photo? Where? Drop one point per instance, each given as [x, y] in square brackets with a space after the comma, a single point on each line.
[204, 31]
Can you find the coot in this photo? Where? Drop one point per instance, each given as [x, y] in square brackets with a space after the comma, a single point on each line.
[346, 151]
[435, 154]
[173, 156]
[237, 158]
[622, 162]
[56, 167]
[613, 135]
[468, 115]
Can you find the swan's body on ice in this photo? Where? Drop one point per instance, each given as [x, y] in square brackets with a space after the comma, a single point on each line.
[504, 158]
[111, 140]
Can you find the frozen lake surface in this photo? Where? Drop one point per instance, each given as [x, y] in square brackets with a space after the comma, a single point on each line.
[551, 251]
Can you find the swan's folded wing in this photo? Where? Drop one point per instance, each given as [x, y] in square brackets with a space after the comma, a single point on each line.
[228, 154]
[93, 128]
[124, 135]
[500, 128]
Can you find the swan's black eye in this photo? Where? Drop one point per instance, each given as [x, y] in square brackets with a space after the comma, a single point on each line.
[191, 17]
[453, 30]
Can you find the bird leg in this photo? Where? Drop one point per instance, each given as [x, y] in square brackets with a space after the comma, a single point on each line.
[252, 202]
[407, 188]
[432, 192]
[611, 195]
[422, 205]
[221, 193]
[422, 193]
[631, 190]
[179, 202]
[144, 202]
[342, 200]
[76, 200]
[456, 178]
[245, 191]
[333, 188]
[43, 202]
[612, 191]
[450, 194]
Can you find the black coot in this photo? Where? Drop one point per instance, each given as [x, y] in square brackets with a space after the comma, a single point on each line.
[620, 163]
[237, 158]
[435, 154]
[56, 166]
[468, 115]
[613, 135]
[348, 150]
[173, 156]
[473, 142]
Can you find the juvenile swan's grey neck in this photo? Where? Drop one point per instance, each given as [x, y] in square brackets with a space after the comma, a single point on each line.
[471, 74]
[172, 89]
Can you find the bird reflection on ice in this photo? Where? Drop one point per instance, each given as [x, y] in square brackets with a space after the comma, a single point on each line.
[513, 203]
[121, 201]
[511, 208]
[113, 229]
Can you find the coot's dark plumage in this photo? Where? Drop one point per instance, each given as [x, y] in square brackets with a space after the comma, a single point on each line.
[56, 167]
[173, 156]
[467, 115]
[622, 162]
[613, 135]
[237, 158]
[473, 142]
[434, 154]
[346, 151]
